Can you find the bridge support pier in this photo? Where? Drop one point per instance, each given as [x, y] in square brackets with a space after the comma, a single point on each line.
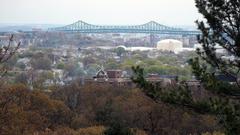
[152, 39]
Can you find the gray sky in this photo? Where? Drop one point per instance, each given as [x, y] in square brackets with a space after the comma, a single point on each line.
[169, 12]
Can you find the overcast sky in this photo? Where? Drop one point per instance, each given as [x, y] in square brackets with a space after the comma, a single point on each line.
[168, 12]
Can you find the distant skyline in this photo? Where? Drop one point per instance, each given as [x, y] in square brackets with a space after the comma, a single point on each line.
[108, 12]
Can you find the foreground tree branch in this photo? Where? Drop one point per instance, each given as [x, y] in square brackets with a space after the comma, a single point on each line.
[6, 52]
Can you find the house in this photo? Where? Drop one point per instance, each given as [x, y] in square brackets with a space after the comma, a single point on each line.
[114, 73]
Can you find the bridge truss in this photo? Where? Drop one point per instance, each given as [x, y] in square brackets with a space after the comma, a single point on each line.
[148, 28]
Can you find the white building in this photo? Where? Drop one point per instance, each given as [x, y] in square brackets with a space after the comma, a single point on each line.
[170, 45]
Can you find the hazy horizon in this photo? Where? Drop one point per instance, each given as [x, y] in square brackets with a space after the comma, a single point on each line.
[119, 12]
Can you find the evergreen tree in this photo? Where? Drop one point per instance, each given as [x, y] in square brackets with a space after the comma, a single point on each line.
[220, 30]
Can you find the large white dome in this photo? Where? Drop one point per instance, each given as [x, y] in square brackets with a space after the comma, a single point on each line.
[170, 45]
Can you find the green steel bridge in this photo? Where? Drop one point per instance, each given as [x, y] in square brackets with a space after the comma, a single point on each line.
[148, 28]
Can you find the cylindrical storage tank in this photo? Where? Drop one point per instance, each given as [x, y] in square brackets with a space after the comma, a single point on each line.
[170, 45]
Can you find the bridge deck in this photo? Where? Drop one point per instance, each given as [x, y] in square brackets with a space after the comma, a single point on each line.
[148, 28]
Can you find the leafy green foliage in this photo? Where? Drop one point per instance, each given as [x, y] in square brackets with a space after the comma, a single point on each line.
[120, 51]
